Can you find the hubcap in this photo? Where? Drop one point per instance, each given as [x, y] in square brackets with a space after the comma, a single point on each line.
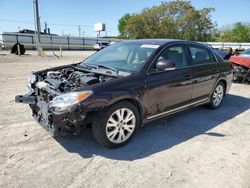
[218, 95]
[120, 125]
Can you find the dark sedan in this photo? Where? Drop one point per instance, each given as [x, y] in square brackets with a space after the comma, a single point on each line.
[123, 86]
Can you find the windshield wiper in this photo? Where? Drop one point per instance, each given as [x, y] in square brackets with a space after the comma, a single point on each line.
[108, 67]
[89, 66]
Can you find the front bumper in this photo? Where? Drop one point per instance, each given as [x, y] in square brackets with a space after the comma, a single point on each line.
[71, 121]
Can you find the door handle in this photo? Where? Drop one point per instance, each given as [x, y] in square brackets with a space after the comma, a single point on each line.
[216, 71]
[188, 76]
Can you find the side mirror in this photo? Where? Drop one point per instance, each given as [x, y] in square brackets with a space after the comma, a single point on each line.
[165, 65]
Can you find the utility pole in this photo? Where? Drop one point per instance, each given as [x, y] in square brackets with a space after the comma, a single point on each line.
[79, 29]
[45, 28]
[37, 27]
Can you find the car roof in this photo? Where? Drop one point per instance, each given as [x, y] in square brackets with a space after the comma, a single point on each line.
[247, 50]
[162, 42]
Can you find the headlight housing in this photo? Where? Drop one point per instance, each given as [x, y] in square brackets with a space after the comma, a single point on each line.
[64, 102]
[31, 80]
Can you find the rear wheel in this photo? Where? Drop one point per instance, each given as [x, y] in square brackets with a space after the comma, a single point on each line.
[117, 125]
[217, 96]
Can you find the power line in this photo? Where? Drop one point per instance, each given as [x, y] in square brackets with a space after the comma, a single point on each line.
[16, 21]
[53, 24]
[31, 23]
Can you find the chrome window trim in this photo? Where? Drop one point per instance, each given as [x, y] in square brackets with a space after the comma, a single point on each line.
[215, 56]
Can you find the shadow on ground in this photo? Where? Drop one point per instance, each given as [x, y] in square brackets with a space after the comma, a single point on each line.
[161, 134]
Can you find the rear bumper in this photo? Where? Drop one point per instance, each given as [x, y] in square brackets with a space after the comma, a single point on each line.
[70, 121]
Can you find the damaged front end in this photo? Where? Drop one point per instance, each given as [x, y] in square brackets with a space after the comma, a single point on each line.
[56, 97]
[68, 118]
[241, 73]
[241, 68]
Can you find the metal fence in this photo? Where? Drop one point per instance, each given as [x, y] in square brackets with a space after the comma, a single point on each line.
[8, 39]
[54, 42]
[233, 45]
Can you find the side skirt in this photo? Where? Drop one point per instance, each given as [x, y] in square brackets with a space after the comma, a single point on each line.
[178, 109]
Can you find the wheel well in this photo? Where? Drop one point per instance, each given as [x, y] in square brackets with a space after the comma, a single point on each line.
[136, 104]
[225, 85]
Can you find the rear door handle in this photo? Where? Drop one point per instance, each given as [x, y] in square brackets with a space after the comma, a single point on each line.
[188, 76]
[216, 71]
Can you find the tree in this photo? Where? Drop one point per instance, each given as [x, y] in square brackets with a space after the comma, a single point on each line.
[122, 24]
[239, 32]
[174, 19]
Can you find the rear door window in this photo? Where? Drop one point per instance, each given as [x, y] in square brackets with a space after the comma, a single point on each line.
[200, 55]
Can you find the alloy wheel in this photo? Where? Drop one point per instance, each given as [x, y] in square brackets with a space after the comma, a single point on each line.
[218, 95]
[120, 125]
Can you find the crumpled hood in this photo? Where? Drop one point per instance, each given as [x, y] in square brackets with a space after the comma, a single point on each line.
[245, 61]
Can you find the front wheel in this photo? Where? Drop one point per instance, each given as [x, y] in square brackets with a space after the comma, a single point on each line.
[217, 96]
[117, 125]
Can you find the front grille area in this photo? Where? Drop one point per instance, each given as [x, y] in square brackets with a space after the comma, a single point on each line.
[43, 95]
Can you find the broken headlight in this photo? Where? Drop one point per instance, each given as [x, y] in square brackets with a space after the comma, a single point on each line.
[31, 80]
[64, 102]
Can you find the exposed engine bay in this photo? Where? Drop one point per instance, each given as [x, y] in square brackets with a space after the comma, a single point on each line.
[67, 79]
[55, 92]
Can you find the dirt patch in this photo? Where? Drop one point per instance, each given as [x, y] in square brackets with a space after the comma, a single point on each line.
[196, 148]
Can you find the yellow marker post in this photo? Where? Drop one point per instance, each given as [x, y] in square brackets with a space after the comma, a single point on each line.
[18, 50]
[41, 52]
[60, 51]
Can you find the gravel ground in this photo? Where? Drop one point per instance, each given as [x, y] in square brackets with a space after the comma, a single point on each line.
[195, 148]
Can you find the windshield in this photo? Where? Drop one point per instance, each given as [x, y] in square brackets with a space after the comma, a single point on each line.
[245, 53]
[123, 56]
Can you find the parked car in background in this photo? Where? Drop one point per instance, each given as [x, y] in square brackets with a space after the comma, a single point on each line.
[125, 85]
[241, 64]
[223, 53]
[100, 45]
[238, 51]
[245, 53]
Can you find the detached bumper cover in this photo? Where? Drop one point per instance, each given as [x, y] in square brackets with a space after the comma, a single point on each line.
[28, 99]
[70, 121]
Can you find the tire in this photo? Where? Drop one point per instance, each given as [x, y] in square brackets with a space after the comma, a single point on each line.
[217, 96]
[115, 126]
